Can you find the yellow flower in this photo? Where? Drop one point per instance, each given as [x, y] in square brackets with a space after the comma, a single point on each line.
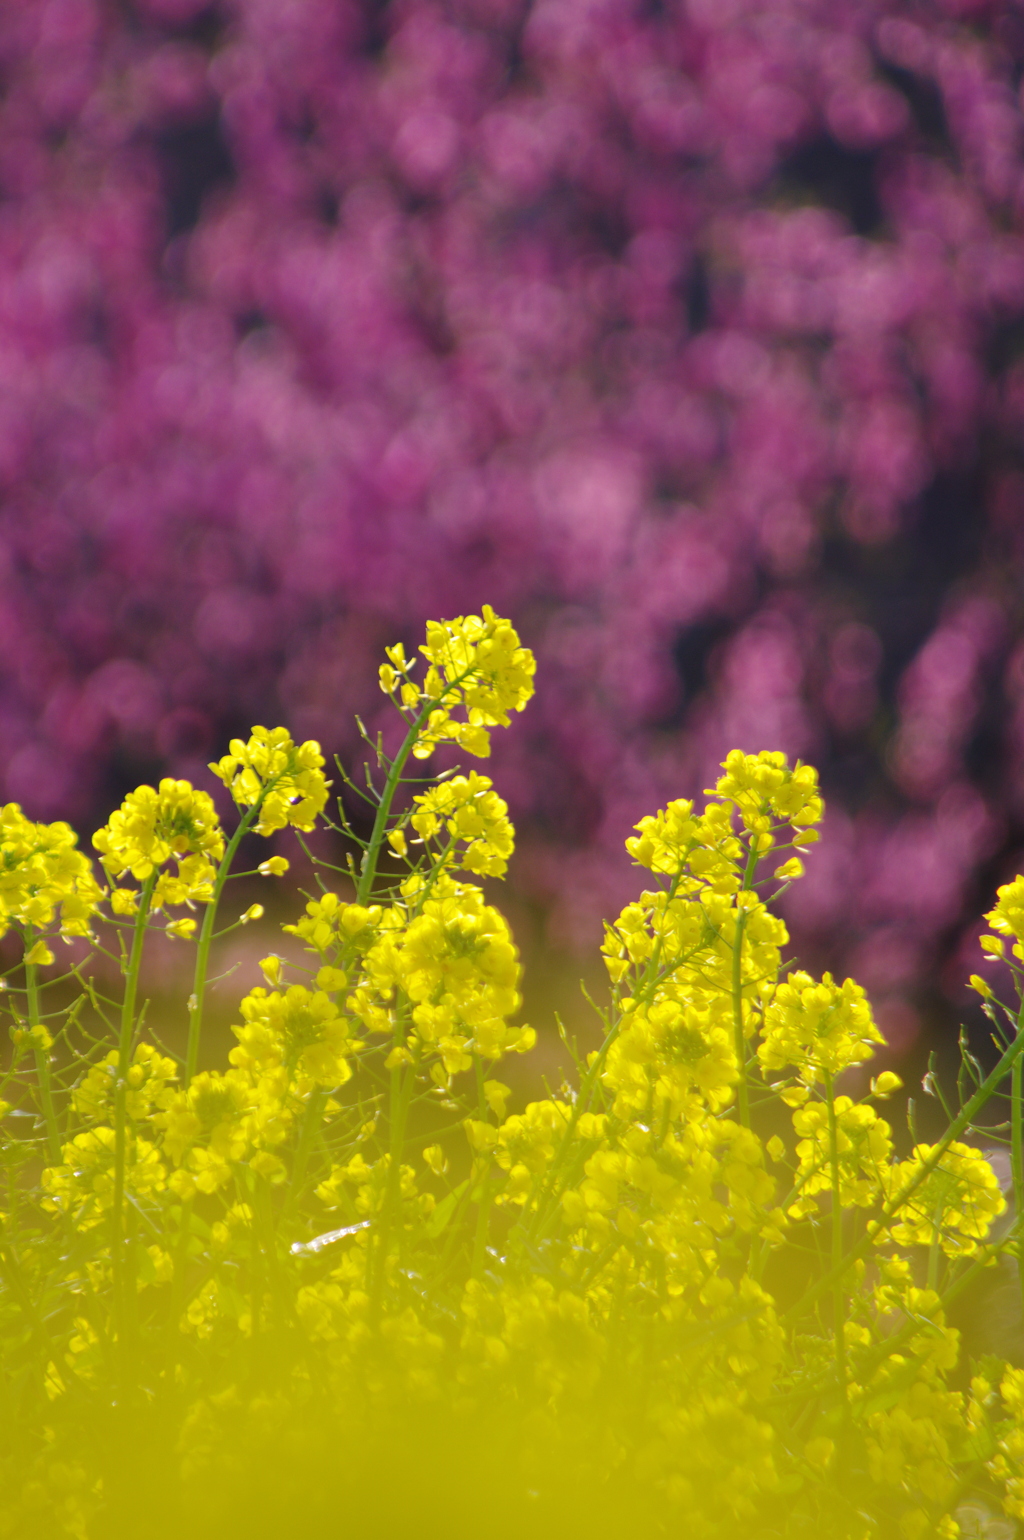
[821, 1027]
[192, 883]
[84, 1185]
[473, 813]
[766, 791]
[285, 778]
[863, 1150]
[275, 867]
[151, 826]
[954, 1206]
[299, 1029]
[42, 873]
[477, 663]
[271, 968]
[151, 1080]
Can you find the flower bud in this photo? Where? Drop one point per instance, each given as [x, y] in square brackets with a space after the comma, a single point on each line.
[275, 867]
[271, 967]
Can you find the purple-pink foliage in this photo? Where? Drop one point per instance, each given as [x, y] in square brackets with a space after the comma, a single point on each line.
[690, 333]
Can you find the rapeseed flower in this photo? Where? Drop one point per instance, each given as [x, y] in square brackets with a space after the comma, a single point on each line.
[42, 874]
[284, 779]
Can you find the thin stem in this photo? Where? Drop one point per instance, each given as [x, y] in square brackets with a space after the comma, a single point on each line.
[199, 984]
[579, 1107]
[310, 1127]
[124, 1049]
[838, 1323]
[1017, 1159]
[371, 854]
[960, 1124]
[483, 1216]
[368, 871]
[41, 1053]
[740, 1041]
[402, 1084]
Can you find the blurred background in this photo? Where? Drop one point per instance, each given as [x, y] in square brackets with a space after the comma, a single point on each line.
[688, 333]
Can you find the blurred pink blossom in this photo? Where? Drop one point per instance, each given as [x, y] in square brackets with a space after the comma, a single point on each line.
[690, 334]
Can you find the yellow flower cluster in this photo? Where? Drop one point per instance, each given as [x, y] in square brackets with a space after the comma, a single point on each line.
[208, 1127]
[456, 966]
[644, 1275]
[42, 874]
[471, 812]
[475, 662]
[438, 975]
[284, 779]
[767, 793]
[818, 1026]
[863, 1150]
[150, 828]
[297, 1030]
[83, 1187]
[150, 1076]
[953, 1206]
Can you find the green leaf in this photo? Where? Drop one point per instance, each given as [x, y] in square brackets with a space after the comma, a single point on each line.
[444, 1211]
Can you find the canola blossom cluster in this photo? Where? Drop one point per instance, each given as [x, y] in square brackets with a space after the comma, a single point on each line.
[702, 1280]
[476, 662]
[43, 876]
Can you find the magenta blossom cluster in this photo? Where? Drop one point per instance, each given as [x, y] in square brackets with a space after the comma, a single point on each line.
[690, 333]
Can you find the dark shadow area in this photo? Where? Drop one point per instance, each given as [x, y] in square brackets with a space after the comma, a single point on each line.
[206, 29]
[194, 160]
[328, 206]
[250, 321]
[1005, 344]
[696, 296]
[924, 99]
[828, 173]
[376, 33]
[899, 588]
[693, 652]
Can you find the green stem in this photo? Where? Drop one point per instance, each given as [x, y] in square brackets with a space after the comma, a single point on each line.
[739, 1037]
[308, 1131]
[1017, 1160]
[743, 1090]
[579, 1107]
[119, 1262]
[483, 1217]
[178, 1279]
[368, 873]
[960, 1124]
[402, 1085]
[41, 1053]
[839, 1336]
[198, 998]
